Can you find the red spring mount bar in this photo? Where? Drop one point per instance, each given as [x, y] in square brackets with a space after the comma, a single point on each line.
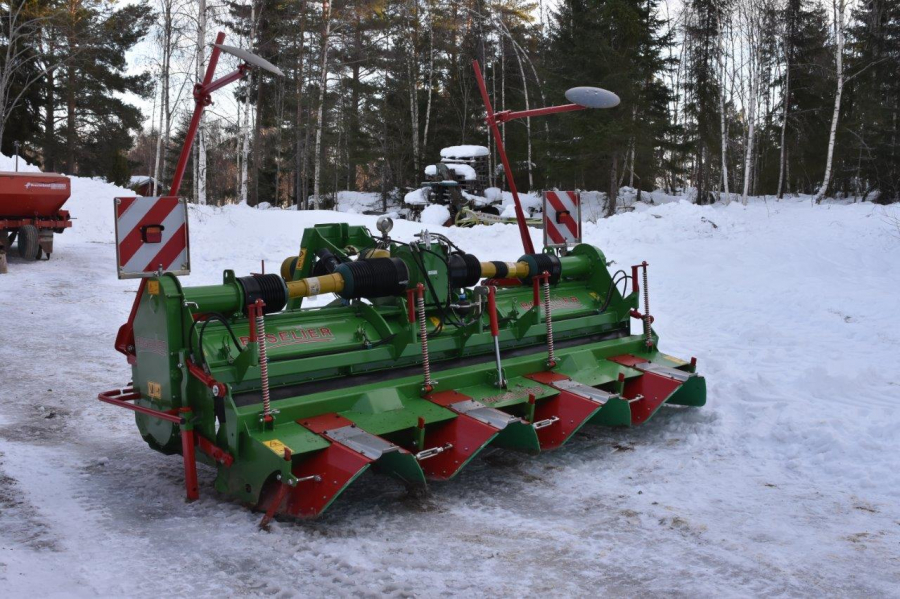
[202, 98]
[495, 333]
[183, 417]
[646, 317]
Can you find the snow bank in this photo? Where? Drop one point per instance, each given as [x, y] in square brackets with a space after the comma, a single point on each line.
[416, 197]
[459, 152]
[8, 164]
[435, 214]
[464, 170]
[358, 201]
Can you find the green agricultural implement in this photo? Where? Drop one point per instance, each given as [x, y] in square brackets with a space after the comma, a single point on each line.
[426, 355]
[415, 367]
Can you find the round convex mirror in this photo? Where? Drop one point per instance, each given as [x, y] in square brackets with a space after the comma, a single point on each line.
[250, 58]
[592, 97]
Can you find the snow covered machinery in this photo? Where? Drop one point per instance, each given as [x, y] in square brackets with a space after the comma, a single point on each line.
[426, 356]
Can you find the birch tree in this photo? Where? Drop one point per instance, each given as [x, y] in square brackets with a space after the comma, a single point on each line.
[838, 7]
[723, 127]
[320, 114]
[200, 164]
[752, 22]
[245, 151]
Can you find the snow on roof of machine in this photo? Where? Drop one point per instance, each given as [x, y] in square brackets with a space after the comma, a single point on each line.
[468, 173]
[464, 152]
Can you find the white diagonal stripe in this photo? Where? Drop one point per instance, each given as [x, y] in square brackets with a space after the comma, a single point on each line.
[128, 221]
[149, 251]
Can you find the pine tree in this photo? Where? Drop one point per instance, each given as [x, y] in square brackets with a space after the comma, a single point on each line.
[612, 44]
[93, 37]
[704, 20]
[811, 97]
[875, 112]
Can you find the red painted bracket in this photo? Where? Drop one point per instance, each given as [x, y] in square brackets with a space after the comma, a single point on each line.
[570, 412]
[465, 436]
[653, 389]
[218, 389]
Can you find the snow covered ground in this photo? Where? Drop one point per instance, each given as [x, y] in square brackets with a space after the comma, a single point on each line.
[787, 483]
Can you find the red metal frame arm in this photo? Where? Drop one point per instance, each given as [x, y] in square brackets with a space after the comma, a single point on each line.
[492, 123]
[121, 397]
[507, 115]
[201, 96]
[226, 79]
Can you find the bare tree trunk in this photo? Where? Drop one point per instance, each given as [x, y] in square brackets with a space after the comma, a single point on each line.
[413, 104]
[503, 93]
[430, 81]
[238, 143]
[247, 113]
[320, 116]
[154, 186]
[751, 130]
[49, 126]
[168, 43]
[722, 120]
[838, 6]
[784, 118]
[527, 119]
[200, 169]
[298, 130]
[753, 20]
[490, 133]
[613, 196]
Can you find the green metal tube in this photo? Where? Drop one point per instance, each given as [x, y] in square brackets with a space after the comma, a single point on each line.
[226, 299]
[575, 266]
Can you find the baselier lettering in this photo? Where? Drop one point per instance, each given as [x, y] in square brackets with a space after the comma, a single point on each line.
[296, 336]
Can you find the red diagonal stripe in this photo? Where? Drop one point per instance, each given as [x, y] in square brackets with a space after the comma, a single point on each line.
[169, 252]
[156, 215]
[565, 219]
[125, 204]
[554, 233]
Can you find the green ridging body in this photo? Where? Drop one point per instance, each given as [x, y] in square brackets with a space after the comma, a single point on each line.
[362, 360]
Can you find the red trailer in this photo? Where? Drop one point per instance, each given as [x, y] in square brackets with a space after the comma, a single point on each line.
[30, 212]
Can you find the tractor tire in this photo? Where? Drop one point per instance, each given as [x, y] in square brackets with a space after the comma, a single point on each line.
[29, 249]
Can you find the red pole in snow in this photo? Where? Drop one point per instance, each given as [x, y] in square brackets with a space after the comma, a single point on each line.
[192, 489]
[492, 123]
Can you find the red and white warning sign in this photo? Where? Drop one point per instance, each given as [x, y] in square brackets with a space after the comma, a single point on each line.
[562, 218]
[151, 237]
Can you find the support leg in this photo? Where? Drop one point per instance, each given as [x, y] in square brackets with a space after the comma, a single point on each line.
[192, 489]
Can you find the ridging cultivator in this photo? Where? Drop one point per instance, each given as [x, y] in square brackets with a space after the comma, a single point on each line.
[426, 356]
[413, 369]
